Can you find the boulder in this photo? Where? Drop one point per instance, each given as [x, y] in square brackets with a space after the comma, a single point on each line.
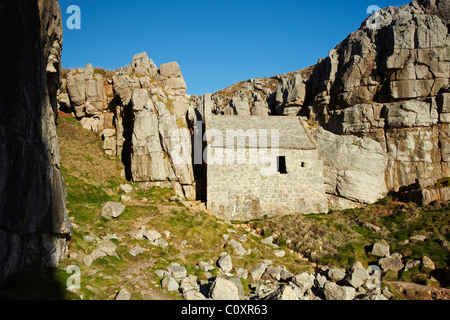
[428, 263]
[336, 274]
[258, 271]
[112, 210]
[225, 263]
[124, 295]
[274, 272]
[127, 188]
[332, 291]
[356, 275]
[381, 249]
[304, 281]
[238, 248]
[189, 283]
[169, 283]
[284, 292]
[152, 235]
[223, 289]
[177, 272]
[106, 248]
[137, 250]
[394, 262]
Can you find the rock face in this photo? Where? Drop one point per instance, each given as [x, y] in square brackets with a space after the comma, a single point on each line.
[141, 113]
[354, 169]
[391, 85]
[279, 95]
[33, 221]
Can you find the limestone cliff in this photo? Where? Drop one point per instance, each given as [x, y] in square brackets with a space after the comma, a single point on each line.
[142, 113]
[390, 84]
[33, 220]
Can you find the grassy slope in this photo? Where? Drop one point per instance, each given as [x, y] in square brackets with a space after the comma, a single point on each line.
[339, 238]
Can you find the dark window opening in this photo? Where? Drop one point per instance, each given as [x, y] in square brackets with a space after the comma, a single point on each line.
[282, 165]
[303, 164]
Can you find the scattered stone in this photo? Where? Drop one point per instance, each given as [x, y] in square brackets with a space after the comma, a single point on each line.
[279, 253]
[238, 248]
[411, 264]
[336, 274]
[332, 291]
[177, 272]
[137, 250]
[258, 271]
[320, 280]
[160, 273]
[387, 293]
[126, 188]
[242, 273]
[304, 281]
[225, 263]
[428, 263]
[204, 266]
[106, 248]
[285, 275]
[193, 295]
[356, 275]
[112, 210]
[284, 292]
[170, 284]
[124, 294]
[391, 263]
[189, 283]
[152, 235]
[417, 238]
[274, 272]
[223, 289]
[88, 238]
[369, 226]
[243, 238]
[237, 282]
[138, 233]
[162, 243]
[87, 260]
[381, 249]
[268, 240]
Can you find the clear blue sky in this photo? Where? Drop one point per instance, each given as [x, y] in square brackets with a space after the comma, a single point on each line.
[216, 43]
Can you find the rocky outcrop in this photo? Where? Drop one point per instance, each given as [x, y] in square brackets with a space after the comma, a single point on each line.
[391, 85]
[354, 169]
[33, 220]
[279, 95]
[142, 113]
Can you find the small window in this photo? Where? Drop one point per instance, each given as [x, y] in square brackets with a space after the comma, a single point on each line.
[303, 164]
[282, 165]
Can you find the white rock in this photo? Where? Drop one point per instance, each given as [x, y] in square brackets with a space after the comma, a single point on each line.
[112, 210]
[223, 289]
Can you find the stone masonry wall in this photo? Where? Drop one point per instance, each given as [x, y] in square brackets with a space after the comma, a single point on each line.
[245, 191]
